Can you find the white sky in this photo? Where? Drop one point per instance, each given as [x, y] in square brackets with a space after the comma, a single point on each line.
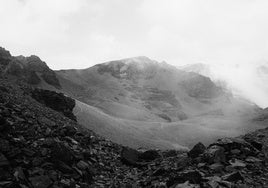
[81, 33]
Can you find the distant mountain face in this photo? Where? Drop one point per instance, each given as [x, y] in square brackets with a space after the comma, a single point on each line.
[158, 90]
[32, 69]
[153, 104]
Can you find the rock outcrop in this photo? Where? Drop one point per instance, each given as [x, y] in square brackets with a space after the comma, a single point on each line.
[56, 101]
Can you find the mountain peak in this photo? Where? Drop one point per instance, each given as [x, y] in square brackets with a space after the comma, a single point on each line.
[134, 67]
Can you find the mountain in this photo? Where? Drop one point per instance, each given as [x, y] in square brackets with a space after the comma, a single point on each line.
[141, 103]
[40, 148]
[157, 90]
[154, 105]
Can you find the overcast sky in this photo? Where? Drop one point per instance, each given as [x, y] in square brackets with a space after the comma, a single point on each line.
[81, 33]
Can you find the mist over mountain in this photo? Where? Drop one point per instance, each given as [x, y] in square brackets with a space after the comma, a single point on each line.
[246, 81]
[154, 102]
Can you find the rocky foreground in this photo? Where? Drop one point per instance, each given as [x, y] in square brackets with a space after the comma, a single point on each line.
[45, 148]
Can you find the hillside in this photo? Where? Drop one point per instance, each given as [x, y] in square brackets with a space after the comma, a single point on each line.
[141, 103]
[42, 145]
[42, 148]
[154, 104]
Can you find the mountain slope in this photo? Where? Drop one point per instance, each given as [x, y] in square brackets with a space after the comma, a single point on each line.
[151, 104]
[41, 148]
[156, 89]
[139, 102]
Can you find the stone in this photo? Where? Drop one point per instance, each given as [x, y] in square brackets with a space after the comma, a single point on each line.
[28, 152]
[19, 174]
[215, 154]
[4, 125]
[159, 172]
[235, 151]
[216, 167]
[233, 177]
[213, 182]
[231, 143]
[254, 143]
[236, 163]
[251, 159]
[129, 156]
[64, 167]
[3, 160]
[41, 181]
[186, 185]
[37, 161]
[82, 165]
[193, 176]
[149, 155]
[60, 152]
[197, 150]
[170, 153]
[56, 101]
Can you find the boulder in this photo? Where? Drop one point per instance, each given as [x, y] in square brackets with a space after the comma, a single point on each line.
[149, 155]
[56, 101]
[216, 167]
[3, 160]
[186, 185]
[41, 181]
[251, 159]
[197, 150]
[170, 153]
[215, 154]
[233, 177]
[82, 165]
[59, 152]
[192, 176]
[129, 156]
[237, 163]
[236, 143]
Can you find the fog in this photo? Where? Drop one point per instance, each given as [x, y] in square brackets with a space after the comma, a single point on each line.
[246, 80]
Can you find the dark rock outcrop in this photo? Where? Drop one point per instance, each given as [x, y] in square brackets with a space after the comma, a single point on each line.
[197, 150]
[56, 101]
[150, 155]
